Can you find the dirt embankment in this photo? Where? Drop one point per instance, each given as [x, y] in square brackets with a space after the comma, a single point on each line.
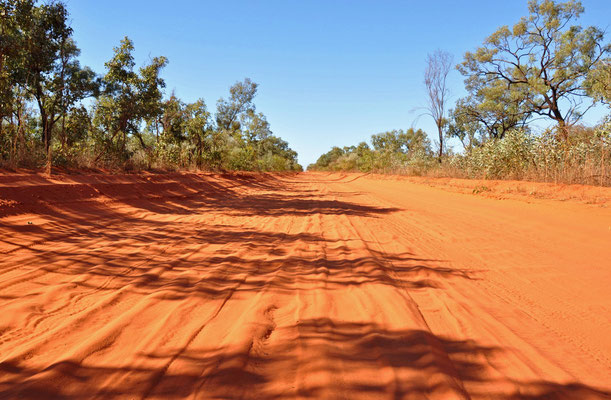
[302, 286]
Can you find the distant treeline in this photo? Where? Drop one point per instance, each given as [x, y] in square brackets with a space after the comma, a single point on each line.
[541, 68]
[389, 152]
[53, 111]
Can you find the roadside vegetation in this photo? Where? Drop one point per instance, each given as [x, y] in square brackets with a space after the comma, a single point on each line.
[56, 112]
[542, 70]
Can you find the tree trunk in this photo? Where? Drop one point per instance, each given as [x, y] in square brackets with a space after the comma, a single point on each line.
[440, 142]
[199, 152]
[64, 138]
[13, 140]
[46, 125]
[1, 118]
[124, 144]
[49, 161]
[21, 132]
[46, 137]
[563, 130]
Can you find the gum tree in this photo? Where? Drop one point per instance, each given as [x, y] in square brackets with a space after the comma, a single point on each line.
[241, 96]
[543, 58]
[599, 82]
[129, 97]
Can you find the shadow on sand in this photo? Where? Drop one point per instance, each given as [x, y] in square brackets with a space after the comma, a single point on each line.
[154, 253]
[430, 365]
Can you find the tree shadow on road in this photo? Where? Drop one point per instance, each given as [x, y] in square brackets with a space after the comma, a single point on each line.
[359, 360]
[97, 248]
[84, 211]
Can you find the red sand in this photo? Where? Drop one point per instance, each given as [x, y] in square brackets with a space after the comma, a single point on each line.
[317, 286]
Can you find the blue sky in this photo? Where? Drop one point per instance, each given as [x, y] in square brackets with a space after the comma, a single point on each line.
[330, 72]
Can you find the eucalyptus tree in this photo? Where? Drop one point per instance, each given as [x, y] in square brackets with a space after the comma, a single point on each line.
[76, 127]
[129, 97]
[241, 96]
[11, 44]
[172, 117]
[256, 128]
[199, 131]
[229, 119]
[268, 151]
[543, 59]
[400, 141]
[116, 111]
[598, 83]
[489, 112]
[46, 64]
[276, 155]
[149, 96]
[46, 34]
[465, 123]
[328, 158]
[72, 84]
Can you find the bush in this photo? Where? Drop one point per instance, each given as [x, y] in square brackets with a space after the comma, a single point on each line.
[498, 158]
[583, 158]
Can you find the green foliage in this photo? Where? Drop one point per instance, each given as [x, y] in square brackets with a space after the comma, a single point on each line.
[240, 102]
[598, 83]
[38, 61]
[392, 151]
[539, 66]
[519, 154]
[130, 123]
[180, 135]
[584, 158]
[499, 158]
[128, 99]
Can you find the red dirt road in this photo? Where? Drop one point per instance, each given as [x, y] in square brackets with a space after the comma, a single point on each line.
[309, 286]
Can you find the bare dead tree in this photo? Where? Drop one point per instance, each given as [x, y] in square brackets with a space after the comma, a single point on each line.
[438, 66]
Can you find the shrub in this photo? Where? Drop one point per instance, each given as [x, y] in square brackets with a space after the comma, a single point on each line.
[583, 158]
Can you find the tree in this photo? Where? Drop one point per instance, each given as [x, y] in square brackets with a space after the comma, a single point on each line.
[438, 67]
[541, 58]
[489, 112]
[172, 117]
[149, 96]
[128, 98]
[598, 83]
[365, 157]
[199, 130]
[465, 123]
[240, 101]
[256, 127]
[46, 35]
[71, 85]
[399, 141]
[275, 154]
[328, 158]
[76, 127]
[230, 116]
[43, 60]
[39, 67]
[116, 111]
[12, 75]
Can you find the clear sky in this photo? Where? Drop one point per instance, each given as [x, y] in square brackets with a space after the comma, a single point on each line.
[331, 72]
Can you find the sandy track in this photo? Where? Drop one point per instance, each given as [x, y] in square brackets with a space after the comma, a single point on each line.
[304, 286]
